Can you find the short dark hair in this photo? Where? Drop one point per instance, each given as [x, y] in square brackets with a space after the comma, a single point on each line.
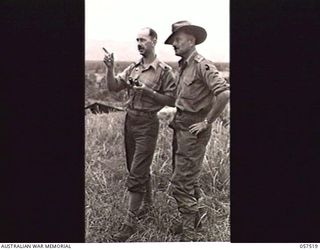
[152, 33]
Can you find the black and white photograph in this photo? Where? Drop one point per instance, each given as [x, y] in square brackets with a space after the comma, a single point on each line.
[119, 124]
[157, 121]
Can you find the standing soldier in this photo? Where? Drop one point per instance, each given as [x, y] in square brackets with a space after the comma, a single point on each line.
[201, 96]
[151, 86]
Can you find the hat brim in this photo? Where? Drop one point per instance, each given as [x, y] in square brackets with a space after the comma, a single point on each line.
[198, 32]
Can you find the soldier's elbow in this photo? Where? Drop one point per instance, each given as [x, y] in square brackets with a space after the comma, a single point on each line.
[224, 95]
[112, 86]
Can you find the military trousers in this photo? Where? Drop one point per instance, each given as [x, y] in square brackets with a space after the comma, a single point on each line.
[141, 132]
[188, 153]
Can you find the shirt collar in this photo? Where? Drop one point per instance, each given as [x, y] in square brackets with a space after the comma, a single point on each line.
[190, 58]
[154, 64]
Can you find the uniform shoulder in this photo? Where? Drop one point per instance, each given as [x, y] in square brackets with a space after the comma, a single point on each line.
[202, 60]
[206, 64]
[164, 65]
[199, 58]
[135, 64]
[132, 65]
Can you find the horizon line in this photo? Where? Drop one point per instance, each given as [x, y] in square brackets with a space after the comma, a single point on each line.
[134, 61]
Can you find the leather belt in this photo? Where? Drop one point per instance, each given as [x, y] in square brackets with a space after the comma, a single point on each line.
[141, 112]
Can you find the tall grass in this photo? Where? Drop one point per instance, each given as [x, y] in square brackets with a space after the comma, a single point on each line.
[106, 195]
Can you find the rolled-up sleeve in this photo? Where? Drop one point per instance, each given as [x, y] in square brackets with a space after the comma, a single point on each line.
[213, 78]
[168, 83]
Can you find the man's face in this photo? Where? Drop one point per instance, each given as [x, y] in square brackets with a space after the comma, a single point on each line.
[145, 43]
[182, 43]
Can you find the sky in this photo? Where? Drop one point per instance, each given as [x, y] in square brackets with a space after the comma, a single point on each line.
[114, 24]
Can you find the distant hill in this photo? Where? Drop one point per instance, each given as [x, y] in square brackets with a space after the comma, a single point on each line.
[127, 50]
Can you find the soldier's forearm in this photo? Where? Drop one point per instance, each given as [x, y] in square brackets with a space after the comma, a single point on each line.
[163, 99]
[221, 101]
[111, 81]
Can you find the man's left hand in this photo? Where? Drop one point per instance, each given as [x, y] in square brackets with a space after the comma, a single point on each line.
[198, 127]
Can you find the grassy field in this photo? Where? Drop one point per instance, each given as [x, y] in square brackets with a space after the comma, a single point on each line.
[106, 195]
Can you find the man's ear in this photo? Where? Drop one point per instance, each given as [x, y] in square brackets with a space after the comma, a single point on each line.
[154, 40]
[192, 40]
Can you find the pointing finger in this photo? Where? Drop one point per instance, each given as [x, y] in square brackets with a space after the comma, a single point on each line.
[105, 50]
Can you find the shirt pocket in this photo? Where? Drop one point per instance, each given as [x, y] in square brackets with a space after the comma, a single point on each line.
[152, 84]
[189, 86]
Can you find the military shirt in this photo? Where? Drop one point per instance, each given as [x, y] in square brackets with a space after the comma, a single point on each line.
[198, 82]
[157, 76]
